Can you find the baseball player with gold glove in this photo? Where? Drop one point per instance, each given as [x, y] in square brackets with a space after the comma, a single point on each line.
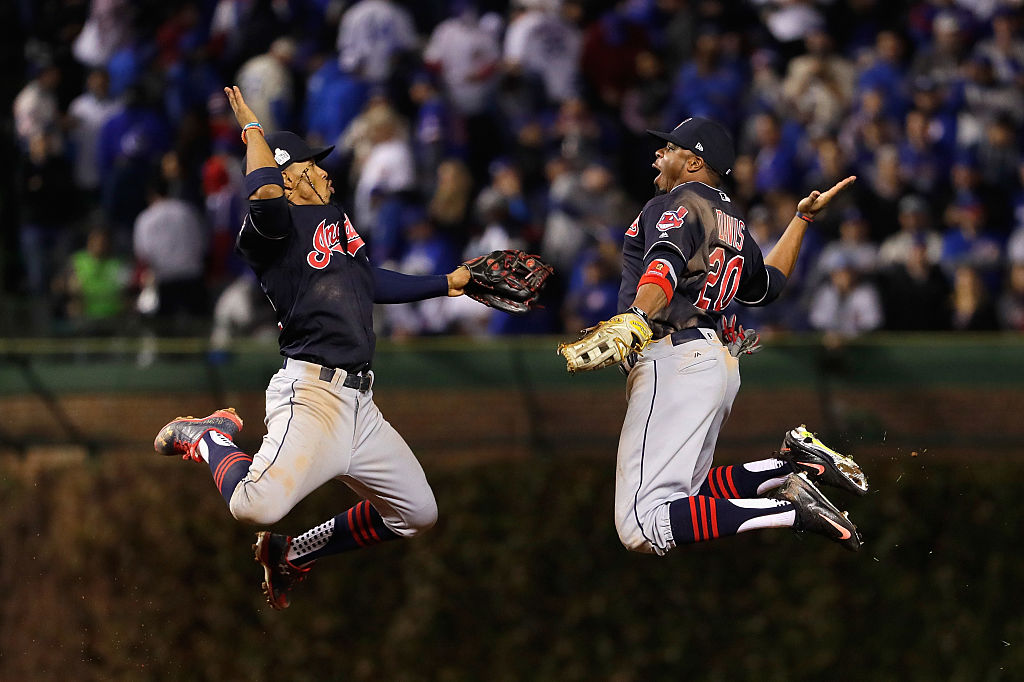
[686, 257]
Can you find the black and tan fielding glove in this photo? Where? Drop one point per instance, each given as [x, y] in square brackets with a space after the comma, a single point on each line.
[509, 280]
[607, 343]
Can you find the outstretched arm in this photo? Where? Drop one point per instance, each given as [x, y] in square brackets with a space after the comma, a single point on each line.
[784, 254]
[396, 287]
[257, 152]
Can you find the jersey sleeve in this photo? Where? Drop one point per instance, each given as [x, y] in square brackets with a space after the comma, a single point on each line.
[671, 237]
[395, 287]
[760, 284]
[267, 221]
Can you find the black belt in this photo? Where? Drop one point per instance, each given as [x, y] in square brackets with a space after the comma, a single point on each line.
[360, 382]
[689, 334]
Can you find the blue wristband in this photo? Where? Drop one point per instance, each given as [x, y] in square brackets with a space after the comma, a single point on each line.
[249, 126]
[262, 177]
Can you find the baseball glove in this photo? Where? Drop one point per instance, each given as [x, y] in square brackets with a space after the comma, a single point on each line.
[509, 280]
[738, 340]
[607, 343]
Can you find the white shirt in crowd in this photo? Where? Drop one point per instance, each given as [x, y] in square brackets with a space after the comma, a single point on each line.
[170, 238]
[390, 167]
[1015, 247]
[464, 50]
[264, 80]
[370, 33]
[106, 29]
[35, 111]
[895, 247]
[543, 43]
[848, 315]
[89, 113]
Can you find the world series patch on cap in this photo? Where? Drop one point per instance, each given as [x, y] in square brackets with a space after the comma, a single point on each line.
[289, 148]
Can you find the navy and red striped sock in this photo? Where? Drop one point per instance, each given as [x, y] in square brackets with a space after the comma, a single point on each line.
[360, 526]
[228, 464]
[745, 480]
[701, 517]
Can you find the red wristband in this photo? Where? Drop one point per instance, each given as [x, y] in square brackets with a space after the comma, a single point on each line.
[656, 274]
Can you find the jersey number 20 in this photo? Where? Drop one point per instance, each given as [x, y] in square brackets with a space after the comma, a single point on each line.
[722, 281]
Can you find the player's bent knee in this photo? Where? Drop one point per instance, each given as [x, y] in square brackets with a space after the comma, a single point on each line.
[641, 547]
[649, 535]
[416, 521]
[261, 513]
[632, 539]
[423, 520]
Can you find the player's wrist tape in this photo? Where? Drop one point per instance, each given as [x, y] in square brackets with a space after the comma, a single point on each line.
[804, 217]
[641, 314]
[249, 126]
[261, 177]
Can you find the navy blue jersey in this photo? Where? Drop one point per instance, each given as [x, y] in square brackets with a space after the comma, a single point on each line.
[313, 267]
[694, 239]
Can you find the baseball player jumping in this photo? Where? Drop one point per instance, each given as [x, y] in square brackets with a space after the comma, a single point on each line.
[685, 258]
[321, 420]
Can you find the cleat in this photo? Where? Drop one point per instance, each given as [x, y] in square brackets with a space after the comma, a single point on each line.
[279, 574]
[181, 436]
[808, 455]
[814, 513]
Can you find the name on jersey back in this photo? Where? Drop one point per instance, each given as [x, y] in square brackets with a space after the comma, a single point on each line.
[730, 229]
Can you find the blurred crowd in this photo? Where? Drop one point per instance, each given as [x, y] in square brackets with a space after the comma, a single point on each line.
[462, 126]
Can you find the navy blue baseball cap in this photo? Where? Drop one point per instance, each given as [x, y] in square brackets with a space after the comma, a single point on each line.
[289, 148]
[707, 139]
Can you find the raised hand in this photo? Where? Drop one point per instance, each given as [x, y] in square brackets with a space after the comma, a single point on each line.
[816, 201]
[243, 114]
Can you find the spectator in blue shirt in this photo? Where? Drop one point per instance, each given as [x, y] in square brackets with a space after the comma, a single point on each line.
[775, 157]
[886, 72]
[969, 242]
[129, 146]
[707, 85]
[920, 161]
[334, 97]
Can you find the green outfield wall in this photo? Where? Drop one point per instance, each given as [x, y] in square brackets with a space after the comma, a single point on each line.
[117, 564]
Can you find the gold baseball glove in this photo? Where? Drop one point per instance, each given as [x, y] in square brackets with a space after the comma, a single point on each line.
[607, 343]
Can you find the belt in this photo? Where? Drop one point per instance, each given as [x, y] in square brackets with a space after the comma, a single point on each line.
[360, 382]
[690, 334]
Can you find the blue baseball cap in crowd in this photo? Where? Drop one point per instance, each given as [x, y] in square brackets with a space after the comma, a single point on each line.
[707, 139]
[289, 148]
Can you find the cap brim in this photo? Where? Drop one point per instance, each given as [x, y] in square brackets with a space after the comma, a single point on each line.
[316, 154]
[321, 154]
[667, 137]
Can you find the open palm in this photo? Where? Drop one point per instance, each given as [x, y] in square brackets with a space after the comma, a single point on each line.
[242, 111]
[816, 201]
